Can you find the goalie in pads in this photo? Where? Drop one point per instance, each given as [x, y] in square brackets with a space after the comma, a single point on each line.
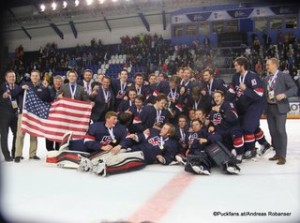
[100, 152]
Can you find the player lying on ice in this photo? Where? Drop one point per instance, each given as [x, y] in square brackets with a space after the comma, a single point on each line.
[108, 149]
[101, 151]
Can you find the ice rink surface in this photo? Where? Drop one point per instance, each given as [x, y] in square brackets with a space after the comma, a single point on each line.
[33, 192]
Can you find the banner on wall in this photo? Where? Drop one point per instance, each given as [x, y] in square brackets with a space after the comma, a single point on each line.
[240, 13]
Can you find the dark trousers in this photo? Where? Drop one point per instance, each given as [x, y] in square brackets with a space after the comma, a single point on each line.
[6, 122]
[276, 123]
[50, 145]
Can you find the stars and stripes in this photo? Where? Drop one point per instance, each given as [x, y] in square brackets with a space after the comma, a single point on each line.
[53, 120]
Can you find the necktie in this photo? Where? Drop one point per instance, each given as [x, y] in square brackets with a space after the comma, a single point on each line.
[73, 87]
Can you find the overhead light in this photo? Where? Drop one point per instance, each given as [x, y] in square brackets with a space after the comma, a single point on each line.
[54, 6]
[101, 1]
[65, 4]
[76, 3]
[89, 2]
[114, 0]
[42, 7]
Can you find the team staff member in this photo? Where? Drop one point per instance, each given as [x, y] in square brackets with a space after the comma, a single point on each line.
[44, 94]
[72, 89]
[9, 113]
[280, 86]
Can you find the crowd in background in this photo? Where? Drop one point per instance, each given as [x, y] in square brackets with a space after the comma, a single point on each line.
[153, 53]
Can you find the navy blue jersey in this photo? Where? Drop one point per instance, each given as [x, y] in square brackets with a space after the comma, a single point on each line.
[153, 91]
[216, 84]
[104, 102]
[143, 90]
[98, 136]
[252, 97]
[202, 103]
[151, 116]
[225, 119]
[154, 145]
[125, 105]
[194, 137]
[119, 91]
[136, 125]
[182, 136]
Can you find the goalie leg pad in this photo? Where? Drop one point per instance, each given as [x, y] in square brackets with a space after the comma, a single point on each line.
[120, 163]
[70, 159]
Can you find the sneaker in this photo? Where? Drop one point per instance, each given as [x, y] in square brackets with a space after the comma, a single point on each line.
[181, 159]
[200, 170]
[100, 168]
[34, 158]
[231, 169]
[85, 164]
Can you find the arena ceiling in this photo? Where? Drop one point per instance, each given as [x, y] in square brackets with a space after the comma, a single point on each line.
[24, 17]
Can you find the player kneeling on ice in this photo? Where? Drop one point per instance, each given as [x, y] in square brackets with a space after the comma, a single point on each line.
[101, 151]
[206, 150]
[156, 145]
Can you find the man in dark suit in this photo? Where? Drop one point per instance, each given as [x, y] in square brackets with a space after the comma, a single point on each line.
[9, 92]
[280, 87]
[72, 89]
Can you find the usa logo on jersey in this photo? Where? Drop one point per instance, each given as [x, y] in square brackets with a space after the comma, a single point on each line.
[154, 141]
[217, 119]
[105, 140]
[238, 91]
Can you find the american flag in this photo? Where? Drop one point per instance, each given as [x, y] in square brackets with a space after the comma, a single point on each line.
[53, 120]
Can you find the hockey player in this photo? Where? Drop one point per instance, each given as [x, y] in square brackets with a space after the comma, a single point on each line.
[135, 111]
[104, 100]
[101, 150]
[224, 119]
[139, 86]
[156, 145]
[182, 135]
[211, 83]
[175, 105]
[198, 100]
[155, 115]
[247, 92]
[125, 105]
[200, 158]
[120, 87]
